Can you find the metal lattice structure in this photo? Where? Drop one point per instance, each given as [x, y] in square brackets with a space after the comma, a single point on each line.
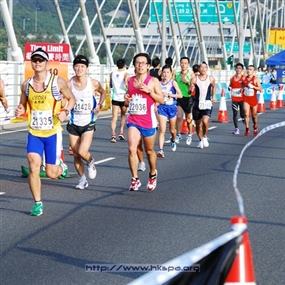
[164, 34]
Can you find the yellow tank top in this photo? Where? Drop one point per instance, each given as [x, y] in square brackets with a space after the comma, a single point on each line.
[42, 111]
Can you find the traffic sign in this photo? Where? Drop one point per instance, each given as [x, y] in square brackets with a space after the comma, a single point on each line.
[208, 11]
[235, 47]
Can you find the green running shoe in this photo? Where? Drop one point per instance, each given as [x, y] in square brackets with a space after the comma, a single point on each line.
[37, 209]
[64, 169]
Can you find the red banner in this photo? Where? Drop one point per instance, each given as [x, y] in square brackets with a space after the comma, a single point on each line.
[56, 52]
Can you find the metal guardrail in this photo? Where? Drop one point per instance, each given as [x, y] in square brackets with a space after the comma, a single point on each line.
[13, 74]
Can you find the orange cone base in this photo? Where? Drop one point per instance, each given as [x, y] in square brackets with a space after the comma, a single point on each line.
[280, 104]
[261, 108]
[223, 117]
[184, 129]
[273, 105]
[242, 271]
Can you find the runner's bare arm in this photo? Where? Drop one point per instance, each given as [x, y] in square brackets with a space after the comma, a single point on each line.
[154, 90]
[64, 89]
[258, 87]
[213, 89]
[99, 89]
[178, 91]
[21, 109]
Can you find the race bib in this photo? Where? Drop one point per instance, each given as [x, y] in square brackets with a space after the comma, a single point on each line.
[205, 104]
[83, 106]
[236, 92]
[42, 120]
[248, 91]
[138, 106]
[168, 100]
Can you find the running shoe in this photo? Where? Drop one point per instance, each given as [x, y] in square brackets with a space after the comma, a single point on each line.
[135, 184]
[152, 181]
[160, 153]
[247, 131]
[121, 136]
[255, 130]
[113, 138]
[83, 183]
[205, 142]
[236, 131]
[200, 144]
[178, 138]
[64, 168]
[92, 172]
[173, 146]
[141, 166]
[189, 139]
[37, 209]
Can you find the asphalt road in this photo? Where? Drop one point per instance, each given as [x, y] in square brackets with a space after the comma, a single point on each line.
[107, 224]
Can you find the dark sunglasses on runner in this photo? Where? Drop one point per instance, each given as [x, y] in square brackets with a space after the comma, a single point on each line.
[37, 59]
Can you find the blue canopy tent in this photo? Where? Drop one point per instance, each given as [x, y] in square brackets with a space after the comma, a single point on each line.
[277, 59]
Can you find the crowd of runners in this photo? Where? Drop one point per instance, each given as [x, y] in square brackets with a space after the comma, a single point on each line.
[150, 101]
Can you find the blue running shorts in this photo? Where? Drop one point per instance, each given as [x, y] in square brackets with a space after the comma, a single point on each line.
[169, 111]
[51, 146]
[144, 132]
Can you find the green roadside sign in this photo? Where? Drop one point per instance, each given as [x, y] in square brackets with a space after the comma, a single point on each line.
[208, 11]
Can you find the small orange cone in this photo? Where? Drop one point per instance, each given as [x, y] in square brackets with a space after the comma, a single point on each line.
[261, 106]
[242, 271]
[280, 102]
[272, 105]
[223, 113]
[184, 129]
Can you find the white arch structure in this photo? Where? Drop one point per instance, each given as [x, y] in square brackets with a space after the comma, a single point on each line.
[168, 36]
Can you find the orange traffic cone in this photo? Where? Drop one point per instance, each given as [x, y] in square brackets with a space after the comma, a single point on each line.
[280, 103]
[272, 105]
[261, 106]
[242, 270]
[223, 113]
[184, 129]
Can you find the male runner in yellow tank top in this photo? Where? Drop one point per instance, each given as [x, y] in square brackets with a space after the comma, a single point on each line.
[41, 97]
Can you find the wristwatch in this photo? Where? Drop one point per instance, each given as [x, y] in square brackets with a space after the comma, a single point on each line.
[66, 112]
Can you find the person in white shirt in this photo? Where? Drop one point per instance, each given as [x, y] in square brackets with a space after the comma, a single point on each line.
[118, 83]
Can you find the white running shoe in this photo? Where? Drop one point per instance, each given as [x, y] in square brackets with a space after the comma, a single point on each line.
[141, 166]
[200, 145]
[189, 139]
[152, 182]
[205, 142]
[135, 184]
[83, 183]
[173, 146]
[92, 172]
